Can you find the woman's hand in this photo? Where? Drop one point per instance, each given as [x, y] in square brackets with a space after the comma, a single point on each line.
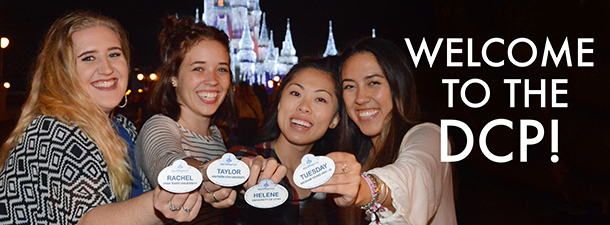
[346, 182]
[182, 207]
[217, 196]
[261, 168]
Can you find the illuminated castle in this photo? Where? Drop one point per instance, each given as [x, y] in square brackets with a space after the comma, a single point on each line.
[254, 57]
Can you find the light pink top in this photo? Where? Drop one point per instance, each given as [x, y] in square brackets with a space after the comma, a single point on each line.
[421, 185]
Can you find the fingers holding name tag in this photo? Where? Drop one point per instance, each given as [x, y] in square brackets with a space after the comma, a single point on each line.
[261, 168]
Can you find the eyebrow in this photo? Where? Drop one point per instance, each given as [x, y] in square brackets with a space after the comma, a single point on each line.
[319, 90]
[94, 51]
[365, 78]
[86, 52]
[204, 62]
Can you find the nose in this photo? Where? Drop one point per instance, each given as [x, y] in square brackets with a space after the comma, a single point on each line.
[210, 78]
[104, 67]
[362, 96]
[304, 107]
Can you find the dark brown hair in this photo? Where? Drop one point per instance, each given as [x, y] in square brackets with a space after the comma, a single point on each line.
[176, 39]
[405, 110]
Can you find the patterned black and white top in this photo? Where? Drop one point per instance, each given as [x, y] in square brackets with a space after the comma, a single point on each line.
[55, 175]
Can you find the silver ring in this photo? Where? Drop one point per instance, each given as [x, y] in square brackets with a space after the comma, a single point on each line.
[172, 207]
[206, 188]
[187, 209]
[214, 196]
[344, 167]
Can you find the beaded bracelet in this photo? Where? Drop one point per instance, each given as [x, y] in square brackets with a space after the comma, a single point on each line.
[373, 207]
[374, 194]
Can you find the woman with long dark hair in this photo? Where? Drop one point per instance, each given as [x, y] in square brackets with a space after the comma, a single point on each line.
[394, 173]
[305, 112]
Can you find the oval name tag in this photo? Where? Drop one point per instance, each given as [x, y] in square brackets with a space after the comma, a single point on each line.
[228, 171]
[180, 177]
[313, 171]
[266, 194]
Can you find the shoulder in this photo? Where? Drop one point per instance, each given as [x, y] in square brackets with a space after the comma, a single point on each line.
[424, 136]
[162, 122]
[51, 126]
[424, 130]
[127, 124]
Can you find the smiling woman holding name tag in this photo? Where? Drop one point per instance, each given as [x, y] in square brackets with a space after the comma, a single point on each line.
[306, 107]
[394, 174]
[70, 160]
[193, 95]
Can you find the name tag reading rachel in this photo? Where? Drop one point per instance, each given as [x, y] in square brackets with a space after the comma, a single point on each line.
[180, 177]
[228, 171]
[313, 171]
[266, 194]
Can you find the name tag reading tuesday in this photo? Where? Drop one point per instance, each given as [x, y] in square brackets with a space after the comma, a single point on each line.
[313, 171]
[266, 194]
[228, 171]
[180, 177]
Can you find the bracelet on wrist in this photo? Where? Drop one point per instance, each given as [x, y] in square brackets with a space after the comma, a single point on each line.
[373, 207]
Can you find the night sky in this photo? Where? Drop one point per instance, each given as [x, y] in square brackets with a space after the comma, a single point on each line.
[584, 137]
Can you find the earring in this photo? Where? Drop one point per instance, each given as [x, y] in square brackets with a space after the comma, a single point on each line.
[124, 104]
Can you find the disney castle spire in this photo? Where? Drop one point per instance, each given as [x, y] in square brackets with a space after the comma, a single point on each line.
[331, 49]
[254, 57]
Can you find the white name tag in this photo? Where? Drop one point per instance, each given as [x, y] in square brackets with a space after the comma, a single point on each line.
[266, 194]
[228, 171]
[313, 171]
[180, 177]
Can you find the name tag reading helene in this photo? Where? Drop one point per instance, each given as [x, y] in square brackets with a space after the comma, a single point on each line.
[180, 177]
[313, 171]
[228, 171]
[266, 194]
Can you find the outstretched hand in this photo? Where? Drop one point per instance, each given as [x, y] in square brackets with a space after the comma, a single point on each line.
[345, 182]
[217, 196]
[182, 207]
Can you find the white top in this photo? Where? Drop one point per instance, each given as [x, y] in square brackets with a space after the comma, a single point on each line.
[421, 185]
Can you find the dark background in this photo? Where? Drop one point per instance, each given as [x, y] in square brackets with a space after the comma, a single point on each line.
[574, 191]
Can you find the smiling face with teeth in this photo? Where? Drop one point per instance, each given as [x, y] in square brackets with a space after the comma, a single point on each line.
[367, 93]
[203, 81]
[101, 65]
[308, 107]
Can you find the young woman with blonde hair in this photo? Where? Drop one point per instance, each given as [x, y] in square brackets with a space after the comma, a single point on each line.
[69, 158]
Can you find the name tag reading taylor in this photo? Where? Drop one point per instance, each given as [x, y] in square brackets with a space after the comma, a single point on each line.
[228, 171]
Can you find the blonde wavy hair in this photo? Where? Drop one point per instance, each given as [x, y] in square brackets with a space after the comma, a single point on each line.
[56, 91]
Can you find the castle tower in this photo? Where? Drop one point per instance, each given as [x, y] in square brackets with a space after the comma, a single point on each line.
[246, 57]
[288, 53]
[331, 49]
[263, 41]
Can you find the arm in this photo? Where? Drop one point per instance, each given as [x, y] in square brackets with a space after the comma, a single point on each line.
[417, 179]
[149, 208]
[158, 146]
